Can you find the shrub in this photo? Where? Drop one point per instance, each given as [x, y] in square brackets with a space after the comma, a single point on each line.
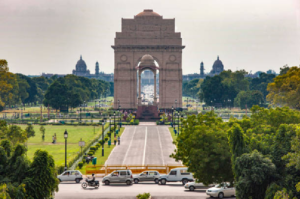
[93, 148]
[90, 153]
[143, 196]
[83, 161]
[106, 138]
[80, 165]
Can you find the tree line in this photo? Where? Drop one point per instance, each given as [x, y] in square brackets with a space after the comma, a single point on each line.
[231, 89]
[56, 92]
[259, 154]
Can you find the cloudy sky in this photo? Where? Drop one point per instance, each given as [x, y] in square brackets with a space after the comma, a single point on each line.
[50, 35]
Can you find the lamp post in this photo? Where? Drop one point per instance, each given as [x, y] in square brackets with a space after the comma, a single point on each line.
[181, 122]
[103, 138]
[178, 122]
[175, 103]
[187, 103]
[66, 137]
[80, 115]
[119, 118]
[83, 105]
[114, 124]
[172, 117]
[95, 104]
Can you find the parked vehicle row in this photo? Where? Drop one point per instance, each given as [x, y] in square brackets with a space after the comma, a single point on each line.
[175, 175]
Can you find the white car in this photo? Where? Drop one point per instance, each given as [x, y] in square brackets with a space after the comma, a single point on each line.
[71, 175]
[176, 175]
[194, 185]
[221, 190]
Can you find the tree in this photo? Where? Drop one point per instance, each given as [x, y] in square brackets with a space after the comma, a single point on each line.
[285, 90]
[260, 83]
[42, 130]
[56, 96]
[29, 131]
[254, 174]
[16, 135]
[248, 98]
[41, 180]
[202, 146]
[237, 144]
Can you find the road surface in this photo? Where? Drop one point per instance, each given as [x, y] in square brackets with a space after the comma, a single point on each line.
[143, 145]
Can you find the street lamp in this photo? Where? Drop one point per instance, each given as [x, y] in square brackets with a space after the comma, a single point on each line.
[119, 118]
[83, 105]
[103, 138]
[172, 118]
[66, 137]
[178, 122]
[95, 104]
[175, 103]
[110, 126]
[114, 124]
[181, 123]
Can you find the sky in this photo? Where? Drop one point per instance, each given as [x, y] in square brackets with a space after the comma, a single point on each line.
[48, 36]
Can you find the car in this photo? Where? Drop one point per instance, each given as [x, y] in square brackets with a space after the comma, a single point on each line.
[70, 175]
[194, 185]
[146, 176]
[221, 190]
[177, 175]
[119, 176]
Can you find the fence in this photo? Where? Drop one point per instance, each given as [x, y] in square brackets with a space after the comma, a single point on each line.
[136, 169]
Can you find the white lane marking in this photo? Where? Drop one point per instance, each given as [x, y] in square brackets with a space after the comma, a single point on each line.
[128, 147]
[145, 147]
[162, 155]
[115, 147]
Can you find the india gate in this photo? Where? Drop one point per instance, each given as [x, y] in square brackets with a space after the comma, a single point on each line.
[148, 42]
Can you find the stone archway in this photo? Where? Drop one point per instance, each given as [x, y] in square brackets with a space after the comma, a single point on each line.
[148, 33]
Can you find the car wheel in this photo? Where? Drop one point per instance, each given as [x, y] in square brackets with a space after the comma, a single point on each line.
[106, 182]
[163, 181]
[84, 185]
[136, 181]
[97, 186]
[221, 195]
[156, 181]
[184, 181]
[59, 179]
[128, 182]
[77, 180]
[192, 188]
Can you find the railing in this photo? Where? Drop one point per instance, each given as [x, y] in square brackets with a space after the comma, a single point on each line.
[136, 169]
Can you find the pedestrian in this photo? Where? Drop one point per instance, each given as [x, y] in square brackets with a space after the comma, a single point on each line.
[119, 140]
[53, 139]
[115, 140]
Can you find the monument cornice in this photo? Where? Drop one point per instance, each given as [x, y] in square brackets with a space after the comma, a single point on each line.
[132, 47]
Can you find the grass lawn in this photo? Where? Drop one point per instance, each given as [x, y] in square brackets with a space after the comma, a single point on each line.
[172, 133]
[101, 160]
[58, 150]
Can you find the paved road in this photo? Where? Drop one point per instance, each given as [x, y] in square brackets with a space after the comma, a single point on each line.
[143, 145]
[169, 191]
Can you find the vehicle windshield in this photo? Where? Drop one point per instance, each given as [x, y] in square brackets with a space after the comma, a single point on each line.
[221, 185]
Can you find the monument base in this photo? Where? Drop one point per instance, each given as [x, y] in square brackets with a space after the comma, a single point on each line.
[147, 113]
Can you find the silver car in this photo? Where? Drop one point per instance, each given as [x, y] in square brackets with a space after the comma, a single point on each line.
[146, 176]
[119, 176]
[70, 175]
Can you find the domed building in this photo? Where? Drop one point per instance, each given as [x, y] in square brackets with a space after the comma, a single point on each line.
[81, 69]
[217, 67]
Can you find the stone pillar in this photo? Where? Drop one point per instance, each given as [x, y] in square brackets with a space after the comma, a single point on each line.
[155, 99]
[140, 88]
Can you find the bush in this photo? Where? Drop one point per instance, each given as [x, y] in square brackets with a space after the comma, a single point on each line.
[80, 165]
[90, 153]
[83, 161]
[143, 196]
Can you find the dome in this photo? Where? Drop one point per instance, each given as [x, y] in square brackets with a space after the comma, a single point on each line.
[148, 13]
[147, 60]
[81, 66]
[218, 66]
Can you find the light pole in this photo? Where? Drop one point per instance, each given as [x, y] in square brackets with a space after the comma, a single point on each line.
[178, 122]
[95, 104]
[187, 102]
[66, 137]
[181, 123]
[172, 118]
[175, 103]
[103, 138]
[119, 118]
[114, 124]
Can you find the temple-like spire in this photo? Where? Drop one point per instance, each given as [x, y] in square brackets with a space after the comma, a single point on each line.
[218, 57]
[80, 57]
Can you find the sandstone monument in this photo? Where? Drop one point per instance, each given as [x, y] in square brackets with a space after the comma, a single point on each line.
[144, 40]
